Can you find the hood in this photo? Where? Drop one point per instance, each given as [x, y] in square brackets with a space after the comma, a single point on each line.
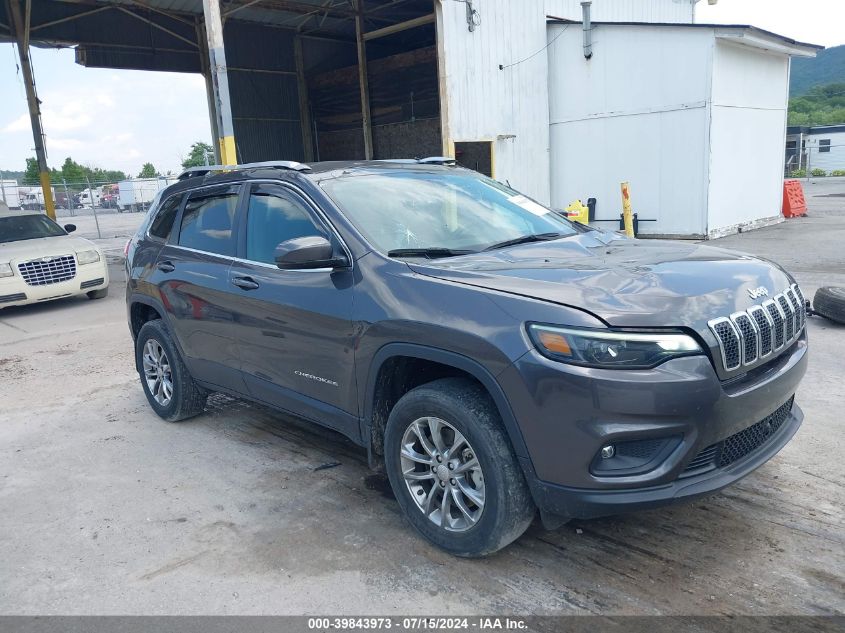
[624, 282]
[25, 250]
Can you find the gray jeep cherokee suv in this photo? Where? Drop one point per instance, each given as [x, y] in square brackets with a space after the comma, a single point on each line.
[493, 358]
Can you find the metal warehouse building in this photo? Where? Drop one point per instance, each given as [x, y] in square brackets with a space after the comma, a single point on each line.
[519, 89]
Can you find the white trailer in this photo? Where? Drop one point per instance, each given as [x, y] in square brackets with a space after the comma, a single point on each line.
[10, 193]
[136, 194]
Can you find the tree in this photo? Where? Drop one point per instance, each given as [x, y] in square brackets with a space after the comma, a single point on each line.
[31, 174]
[73, 171]
[148, 171]
[199, 155]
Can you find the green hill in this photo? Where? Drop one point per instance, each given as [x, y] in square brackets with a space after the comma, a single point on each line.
[828, 67]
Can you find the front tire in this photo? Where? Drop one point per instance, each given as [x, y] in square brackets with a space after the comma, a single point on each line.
[167, 384]
[453, 470]
[102, 293]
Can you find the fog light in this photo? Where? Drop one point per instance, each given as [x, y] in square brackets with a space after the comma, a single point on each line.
[607, 452]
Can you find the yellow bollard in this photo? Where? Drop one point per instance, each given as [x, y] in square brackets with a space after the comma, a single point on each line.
[627, 214]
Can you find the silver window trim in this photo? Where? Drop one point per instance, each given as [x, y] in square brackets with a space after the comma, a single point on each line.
[251, 262]
[315, 208]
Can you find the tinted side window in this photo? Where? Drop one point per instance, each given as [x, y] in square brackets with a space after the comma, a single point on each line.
[275, 215]
[207, 224]
[163, 222]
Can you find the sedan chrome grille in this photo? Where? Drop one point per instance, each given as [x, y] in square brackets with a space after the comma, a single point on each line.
[746, 337]
[48, 270]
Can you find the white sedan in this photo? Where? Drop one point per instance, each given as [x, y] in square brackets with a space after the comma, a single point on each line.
[40, 261]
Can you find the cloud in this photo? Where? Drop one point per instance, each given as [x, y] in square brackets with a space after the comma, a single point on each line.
[105, 118]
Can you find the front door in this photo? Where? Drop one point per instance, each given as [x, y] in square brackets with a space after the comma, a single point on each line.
[294, 329]
[192, 276]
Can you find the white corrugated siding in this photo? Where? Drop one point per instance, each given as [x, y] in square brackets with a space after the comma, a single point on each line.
[829, 161]
[510, 107]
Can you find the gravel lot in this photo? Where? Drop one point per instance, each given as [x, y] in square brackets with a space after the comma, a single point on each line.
[109, 510]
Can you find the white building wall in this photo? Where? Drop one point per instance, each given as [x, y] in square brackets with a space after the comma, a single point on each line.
[641, 115]
[510, 106]
[829, 161]
[748, 131]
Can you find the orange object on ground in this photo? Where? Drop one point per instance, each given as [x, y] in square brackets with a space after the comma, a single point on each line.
[794, 204]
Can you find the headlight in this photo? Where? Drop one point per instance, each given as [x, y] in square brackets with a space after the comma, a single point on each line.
[610, 349]
[6, 270]
[87, 257]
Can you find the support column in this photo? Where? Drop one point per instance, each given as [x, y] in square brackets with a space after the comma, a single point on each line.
[21, 29]
[363, 82]
[202, 42]
[304, 107]
[220, 82]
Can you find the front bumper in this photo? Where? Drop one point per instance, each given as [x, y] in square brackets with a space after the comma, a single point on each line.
[567, 414]
[14, 291]
[586, 504]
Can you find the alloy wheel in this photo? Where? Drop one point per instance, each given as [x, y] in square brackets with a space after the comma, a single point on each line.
[443, 474]
[157, 372]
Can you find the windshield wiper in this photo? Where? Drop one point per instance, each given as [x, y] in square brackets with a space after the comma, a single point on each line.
[431, 253]
[525, 239]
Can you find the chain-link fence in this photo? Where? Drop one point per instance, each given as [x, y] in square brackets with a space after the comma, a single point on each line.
[84, 197]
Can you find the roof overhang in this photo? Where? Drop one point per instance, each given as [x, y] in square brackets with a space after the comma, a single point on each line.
[742, 34]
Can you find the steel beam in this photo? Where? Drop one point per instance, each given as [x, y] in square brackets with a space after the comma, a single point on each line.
[398, 28]
[21, 29]
[220, 82]
[363, 81]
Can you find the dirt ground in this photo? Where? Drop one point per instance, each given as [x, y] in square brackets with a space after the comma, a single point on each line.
[106, 509]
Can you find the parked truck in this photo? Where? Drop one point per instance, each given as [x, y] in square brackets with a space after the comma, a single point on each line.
[136, 194]
[33, 199]
[88, 199]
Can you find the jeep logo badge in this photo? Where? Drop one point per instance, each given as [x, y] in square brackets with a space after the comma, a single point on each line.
[756, 293]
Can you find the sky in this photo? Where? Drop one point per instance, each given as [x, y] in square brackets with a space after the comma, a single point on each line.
[114, 119]
[812, 21]
[121, 119]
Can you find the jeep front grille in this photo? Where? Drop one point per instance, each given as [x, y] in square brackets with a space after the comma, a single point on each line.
[48, 270]
[746, 337]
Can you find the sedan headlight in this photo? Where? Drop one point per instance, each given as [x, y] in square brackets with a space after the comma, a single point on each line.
[87, 257]
[610, 349]
[6, 270]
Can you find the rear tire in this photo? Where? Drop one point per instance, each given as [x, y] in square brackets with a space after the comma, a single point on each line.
[102, 293]
[829, 302]
[487, 501]
[169, 387]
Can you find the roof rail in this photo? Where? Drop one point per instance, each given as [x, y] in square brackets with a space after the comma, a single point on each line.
[437, 160]
[204, 170]
[431, 160]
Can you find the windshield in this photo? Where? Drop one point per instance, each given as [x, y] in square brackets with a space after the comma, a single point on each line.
[28, 227]
[450, 213]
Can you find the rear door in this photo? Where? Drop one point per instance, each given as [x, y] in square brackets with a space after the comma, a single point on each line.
[295, 330]
[192, 276]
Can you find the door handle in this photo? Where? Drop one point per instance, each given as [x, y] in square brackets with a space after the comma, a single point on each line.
[245, 283]
[166, 267]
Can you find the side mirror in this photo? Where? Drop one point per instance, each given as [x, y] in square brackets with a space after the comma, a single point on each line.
[70, 228]
[302, 253]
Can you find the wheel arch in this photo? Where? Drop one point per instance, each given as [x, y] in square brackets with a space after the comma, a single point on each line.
[374, 421]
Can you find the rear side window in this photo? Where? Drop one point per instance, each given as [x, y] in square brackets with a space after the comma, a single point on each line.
[207, 224]
[274, 216]
[163, 222]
